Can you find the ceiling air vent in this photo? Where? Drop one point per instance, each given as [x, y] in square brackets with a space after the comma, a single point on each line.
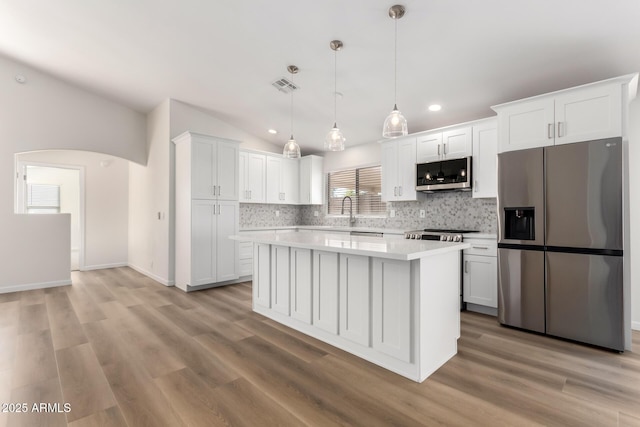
[285, 85]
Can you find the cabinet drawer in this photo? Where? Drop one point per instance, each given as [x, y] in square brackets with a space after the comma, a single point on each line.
[482, 247]
[246, 267]
[246, 250]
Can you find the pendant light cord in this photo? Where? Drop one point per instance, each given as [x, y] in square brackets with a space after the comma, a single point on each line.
[335, 87]
[292, 106]
[395, 64]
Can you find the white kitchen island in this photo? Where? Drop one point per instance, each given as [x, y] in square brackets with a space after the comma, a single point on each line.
[393, 302]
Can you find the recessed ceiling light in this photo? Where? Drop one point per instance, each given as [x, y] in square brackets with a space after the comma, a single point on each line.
[435, 107]
[272, 131]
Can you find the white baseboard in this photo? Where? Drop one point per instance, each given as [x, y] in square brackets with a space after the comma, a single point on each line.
[635, 326]
[158, 279]
[32, 286]
[103, 266]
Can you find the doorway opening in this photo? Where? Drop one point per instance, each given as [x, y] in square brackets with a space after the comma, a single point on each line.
[43, 188]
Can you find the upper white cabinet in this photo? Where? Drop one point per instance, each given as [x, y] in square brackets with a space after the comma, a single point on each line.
[485, 151]
[213, 166]
[399, 170]
[583, 113]
[252, 168]
[311, 180]
[282, 180]
[451, 143]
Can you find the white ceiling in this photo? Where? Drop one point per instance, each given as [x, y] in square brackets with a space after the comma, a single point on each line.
[466, 55]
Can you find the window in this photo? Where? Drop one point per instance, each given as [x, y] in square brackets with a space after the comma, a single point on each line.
[43, 198]
[363, 185]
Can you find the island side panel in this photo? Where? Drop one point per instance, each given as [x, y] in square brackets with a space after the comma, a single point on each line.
[439, 312]
[301, 280]
[261, 275]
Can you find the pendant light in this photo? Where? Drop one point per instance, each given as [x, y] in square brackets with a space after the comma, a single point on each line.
[395, 124]
[335, 139]
[291, 148]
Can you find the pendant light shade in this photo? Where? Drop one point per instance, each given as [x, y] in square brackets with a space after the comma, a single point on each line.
[291, 149]
[395, 124]
[334, 140]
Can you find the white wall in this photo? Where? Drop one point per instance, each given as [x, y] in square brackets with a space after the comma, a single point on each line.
[634, 206]
[149, 196]
[360, 155]
[106, 190]
[47, 113]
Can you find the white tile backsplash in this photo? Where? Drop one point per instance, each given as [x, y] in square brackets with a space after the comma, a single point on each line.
[443, 210]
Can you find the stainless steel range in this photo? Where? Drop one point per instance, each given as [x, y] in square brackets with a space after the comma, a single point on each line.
[437, 234]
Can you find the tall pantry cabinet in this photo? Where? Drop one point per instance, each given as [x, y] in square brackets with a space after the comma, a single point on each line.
[207, 210]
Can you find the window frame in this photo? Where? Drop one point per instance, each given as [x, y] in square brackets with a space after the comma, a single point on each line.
[355, 192]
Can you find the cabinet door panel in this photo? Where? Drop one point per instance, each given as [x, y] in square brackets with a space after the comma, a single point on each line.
[429, 148]
[243, 176]
[202, 169]
[392, 308]
[256, 178]
[227, 170]
[274, 164]
[289, 180]
[588, 114]
[480, 280]
[456, 143]
[203, 242]
[280, 278]
[325, 291]
[407, 169]
[261, 275]
[354, 298]
[301, 284]
[526, 125]
[227, 253]
[484, 160]
[389, 171]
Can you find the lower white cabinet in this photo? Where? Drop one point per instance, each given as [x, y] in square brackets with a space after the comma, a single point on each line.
[325, 290]
[480, 273]
[280, 279]
[355, 290]
[245, 261]
[206, 255]
[262, 275]
[391, 317]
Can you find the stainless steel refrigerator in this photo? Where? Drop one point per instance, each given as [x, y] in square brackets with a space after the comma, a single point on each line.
[560, 241]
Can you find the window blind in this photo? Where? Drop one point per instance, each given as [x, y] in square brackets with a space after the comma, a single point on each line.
[363, 185]
[43, 198]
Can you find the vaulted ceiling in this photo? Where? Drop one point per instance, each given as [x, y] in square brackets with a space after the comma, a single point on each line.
[223, 56]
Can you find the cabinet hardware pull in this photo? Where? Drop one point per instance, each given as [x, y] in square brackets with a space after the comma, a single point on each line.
[400, 191]
[559, 130]
[480, 247]
[219, 191]
[550, 131]
[213, 189]
[466, 266]
[444, 148]
[395, 191]
[218, 209]
[249, 194]
[475, 185]
[438, 149]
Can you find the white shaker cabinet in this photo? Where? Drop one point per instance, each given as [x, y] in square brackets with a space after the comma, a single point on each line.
[252, 169]
[311, 180]
[207, 210]
[484, 167]
[583, 113]
[282, 181]
[399, 170]
[480, 273]
[325, 290]
[450, 143]
[354, 298]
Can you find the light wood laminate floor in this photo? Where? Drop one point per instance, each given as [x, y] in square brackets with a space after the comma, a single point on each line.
[123, 350]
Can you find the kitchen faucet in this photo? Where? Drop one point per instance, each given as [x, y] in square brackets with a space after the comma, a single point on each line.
[352, 219]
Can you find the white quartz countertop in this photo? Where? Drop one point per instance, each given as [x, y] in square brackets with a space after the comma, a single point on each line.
[327, 228]
[379, 247]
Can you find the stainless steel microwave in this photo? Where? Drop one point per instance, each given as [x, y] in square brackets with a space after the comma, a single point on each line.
[451, 174]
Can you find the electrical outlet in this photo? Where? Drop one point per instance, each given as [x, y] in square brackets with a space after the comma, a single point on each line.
[277, 213]
[392, 213]
[316, 213]
[422, 213]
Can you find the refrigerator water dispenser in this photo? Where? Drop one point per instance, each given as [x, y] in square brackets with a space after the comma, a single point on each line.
[519, 223]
